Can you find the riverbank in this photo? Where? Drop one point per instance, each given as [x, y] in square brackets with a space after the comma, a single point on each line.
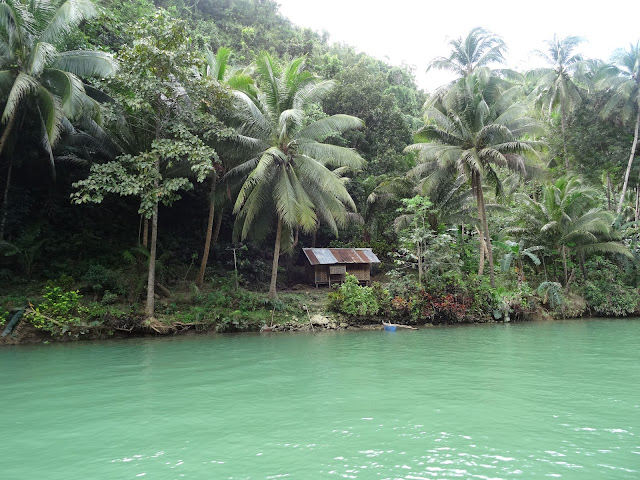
[192, 311]
[136, 327]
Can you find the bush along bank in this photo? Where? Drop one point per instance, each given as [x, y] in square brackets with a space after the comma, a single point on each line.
[62, 313]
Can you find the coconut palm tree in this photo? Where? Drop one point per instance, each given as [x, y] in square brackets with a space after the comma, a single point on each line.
[35, 78]
[478, 49]
[471, 131]
[565, 220]
[556, 88]
[625, 100]
[288, 181]
[217, 69]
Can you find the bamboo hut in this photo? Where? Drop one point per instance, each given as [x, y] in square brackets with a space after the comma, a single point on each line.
[328, 266]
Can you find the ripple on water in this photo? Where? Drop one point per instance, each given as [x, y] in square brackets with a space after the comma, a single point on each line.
[554, 400]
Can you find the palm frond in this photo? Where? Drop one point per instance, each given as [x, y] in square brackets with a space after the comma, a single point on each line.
[69, 88]
[67, 17]
[332, 155]
[86, 63]
[42, 54]
[22, 86]
[312, 93]
[328, 127]
[607, 247]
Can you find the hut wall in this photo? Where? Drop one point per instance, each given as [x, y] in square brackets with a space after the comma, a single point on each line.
[319, 274]
[362, 271]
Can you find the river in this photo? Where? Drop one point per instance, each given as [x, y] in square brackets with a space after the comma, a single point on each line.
[527, 401]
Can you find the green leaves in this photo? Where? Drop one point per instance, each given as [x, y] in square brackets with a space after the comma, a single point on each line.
[139, 175]
[65, 18]
[22, 86]
[329, 127]
[289, 168]
[87, 63]
[478, 49]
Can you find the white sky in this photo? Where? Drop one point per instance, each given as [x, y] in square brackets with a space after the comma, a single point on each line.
[416, 31]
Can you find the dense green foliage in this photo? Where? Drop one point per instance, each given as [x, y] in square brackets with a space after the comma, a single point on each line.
[135, 133]
[58, 311]
[353, 299]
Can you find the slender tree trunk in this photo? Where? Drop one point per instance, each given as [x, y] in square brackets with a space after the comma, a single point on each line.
[582, 267]
[609, 191]
[314, 239]
[276, 257]
[296, 238]
[633, 152]
[5, 198]
[637, 215]
[520, 264]
[151, 283]
[216, 232]
[563, 123]
[483, 249]
[564, 265]
[5, 201]
[6, 132]
[482, 213]
[207, 241]
[419, 252]
[145, 232]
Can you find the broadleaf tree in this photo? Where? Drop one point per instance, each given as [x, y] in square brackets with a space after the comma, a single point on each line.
[164, 152]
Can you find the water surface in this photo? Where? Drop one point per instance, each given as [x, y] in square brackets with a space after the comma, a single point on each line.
[557, 400]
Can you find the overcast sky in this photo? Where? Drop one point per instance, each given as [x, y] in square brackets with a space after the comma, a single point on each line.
[416, 31]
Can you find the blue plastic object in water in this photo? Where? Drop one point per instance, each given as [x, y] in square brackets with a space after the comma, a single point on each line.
[390, 328]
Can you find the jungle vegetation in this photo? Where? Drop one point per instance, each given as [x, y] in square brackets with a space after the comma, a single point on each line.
[153, 155]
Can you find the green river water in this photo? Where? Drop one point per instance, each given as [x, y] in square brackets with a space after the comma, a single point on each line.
[526, 401]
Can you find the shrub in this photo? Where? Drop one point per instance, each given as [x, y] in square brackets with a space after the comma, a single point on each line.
[510, 303]
[58, 311]
[611, 298]
[383, 298]
[352, 299]
[603, 291]
[437, 308]
[100, 279]
[552, 295]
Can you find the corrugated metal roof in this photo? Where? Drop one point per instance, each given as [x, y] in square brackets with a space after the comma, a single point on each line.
[331, 256]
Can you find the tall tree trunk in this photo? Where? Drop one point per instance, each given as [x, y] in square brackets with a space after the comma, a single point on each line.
[563, 123]
[637, 215]
[582, 267]
[483, 249]
[207, 241]
[314, 239]
[296, 238]
[419, 252]
[564, 265]
[216, 231]
[633, 152]
[5, 198]
[5, 201]
[6, 132]
[276, 257]
[151, 282]
[145, 232]
[482, 213]
[609, 191]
